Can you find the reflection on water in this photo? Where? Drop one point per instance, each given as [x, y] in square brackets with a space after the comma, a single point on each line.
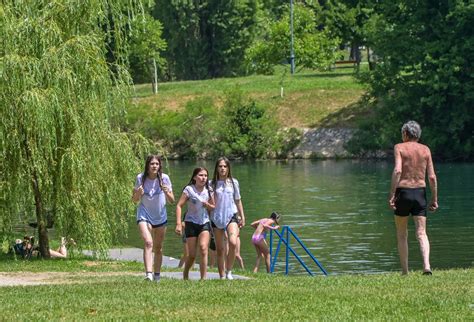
[339, 210]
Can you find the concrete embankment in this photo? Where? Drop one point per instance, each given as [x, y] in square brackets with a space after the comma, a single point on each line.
[326, 143]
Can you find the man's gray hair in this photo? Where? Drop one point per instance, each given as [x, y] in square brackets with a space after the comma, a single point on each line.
[412, 130]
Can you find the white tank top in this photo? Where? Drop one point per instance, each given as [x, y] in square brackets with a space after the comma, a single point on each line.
[196, 212]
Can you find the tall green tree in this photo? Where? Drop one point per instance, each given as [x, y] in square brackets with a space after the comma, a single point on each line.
[314, 47]
[62, 152]
[206, 39]
[347, 20]
[146, 48]
[426, 50]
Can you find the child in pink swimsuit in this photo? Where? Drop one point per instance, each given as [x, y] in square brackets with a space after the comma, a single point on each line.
[258, 238]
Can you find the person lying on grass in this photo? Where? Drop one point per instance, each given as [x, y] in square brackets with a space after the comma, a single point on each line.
[26, 248]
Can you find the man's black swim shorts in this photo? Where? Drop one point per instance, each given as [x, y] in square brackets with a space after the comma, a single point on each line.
[410, 201]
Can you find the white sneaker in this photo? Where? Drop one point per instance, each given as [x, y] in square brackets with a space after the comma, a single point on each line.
[149, 277]
[229, 276]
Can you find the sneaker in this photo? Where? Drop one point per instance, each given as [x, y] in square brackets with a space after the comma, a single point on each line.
[229, 276]
[149, 277]
[157, 277]
[428, 273]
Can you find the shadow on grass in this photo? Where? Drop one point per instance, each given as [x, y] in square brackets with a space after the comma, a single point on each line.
[326, 75]
[349, 116]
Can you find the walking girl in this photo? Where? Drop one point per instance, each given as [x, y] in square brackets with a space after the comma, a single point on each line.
[152, 191]
[225, 217]
[199, 202]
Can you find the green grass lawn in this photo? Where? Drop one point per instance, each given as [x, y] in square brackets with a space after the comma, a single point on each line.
[447, 295]
[310, 98]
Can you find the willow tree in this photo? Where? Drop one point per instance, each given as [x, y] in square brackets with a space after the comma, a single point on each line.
[62, 152]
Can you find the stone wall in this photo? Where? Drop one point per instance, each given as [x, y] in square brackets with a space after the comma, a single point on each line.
[323, 143]
[328, 143]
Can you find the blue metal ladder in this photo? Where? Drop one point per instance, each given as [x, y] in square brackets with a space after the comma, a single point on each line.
[288, 232]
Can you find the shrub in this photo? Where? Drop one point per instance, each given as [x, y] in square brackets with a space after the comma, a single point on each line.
[247, 130]
[240, 129]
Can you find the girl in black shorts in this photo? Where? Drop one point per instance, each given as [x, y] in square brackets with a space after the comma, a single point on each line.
[199, 202]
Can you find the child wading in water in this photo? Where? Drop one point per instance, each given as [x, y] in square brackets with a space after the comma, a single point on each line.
[258, 238]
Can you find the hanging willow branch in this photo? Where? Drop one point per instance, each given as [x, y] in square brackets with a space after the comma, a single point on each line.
[61, 150]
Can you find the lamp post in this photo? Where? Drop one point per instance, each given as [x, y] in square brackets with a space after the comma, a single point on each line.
[292, 51]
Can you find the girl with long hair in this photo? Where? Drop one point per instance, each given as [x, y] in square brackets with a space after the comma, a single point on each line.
[152, 191]
[198, 199]
[228, 215]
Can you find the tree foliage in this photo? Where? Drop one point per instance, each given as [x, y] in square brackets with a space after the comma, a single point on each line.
[146, 44]
[241, 128]
[62, 153]
[246, 129]
[314, 47]
[206, 39]
[426, 54]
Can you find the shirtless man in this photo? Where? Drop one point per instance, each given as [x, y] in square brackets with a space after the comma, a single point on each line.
[408, 192]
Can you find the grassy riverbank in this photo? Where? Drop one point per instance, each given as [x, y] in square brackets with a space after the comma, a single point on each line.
[447, 295]
[310, 98]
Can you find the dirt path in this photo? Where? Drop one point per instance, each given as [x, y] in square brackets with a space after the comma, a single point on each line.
[47, 278]
[126, 254]
[42, 278]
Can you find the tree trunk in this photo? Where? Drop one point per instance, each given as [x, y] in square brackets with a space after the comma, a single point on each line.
[355, 53]
[371, 63]
[41, 219]
[40, 213]
[155, 78]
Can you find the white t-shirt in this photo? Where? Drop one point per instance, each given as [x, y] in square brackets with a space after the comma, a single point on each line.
[225, 196]
[196, 212]
[152, 206]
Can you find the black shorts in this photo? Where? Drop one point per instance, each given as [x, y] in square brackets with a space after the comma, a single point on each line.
[193, 230]
[233, 219]
[410, 201]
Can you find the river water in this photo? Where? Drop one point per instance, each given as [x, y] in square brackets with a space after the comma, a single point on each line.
[339, 209]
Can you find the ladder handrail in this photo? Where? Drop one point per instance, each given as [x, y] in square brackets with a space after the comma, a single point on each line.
[286, 241]
[272, 263]
[308, 251]
[288, 247]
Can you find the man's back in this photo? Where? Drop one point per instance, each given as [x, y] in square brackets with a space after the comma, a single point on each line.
[415, 159]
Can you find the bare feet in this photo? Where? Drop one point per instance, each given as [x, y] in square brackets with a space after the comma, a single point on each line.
[69, 242]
